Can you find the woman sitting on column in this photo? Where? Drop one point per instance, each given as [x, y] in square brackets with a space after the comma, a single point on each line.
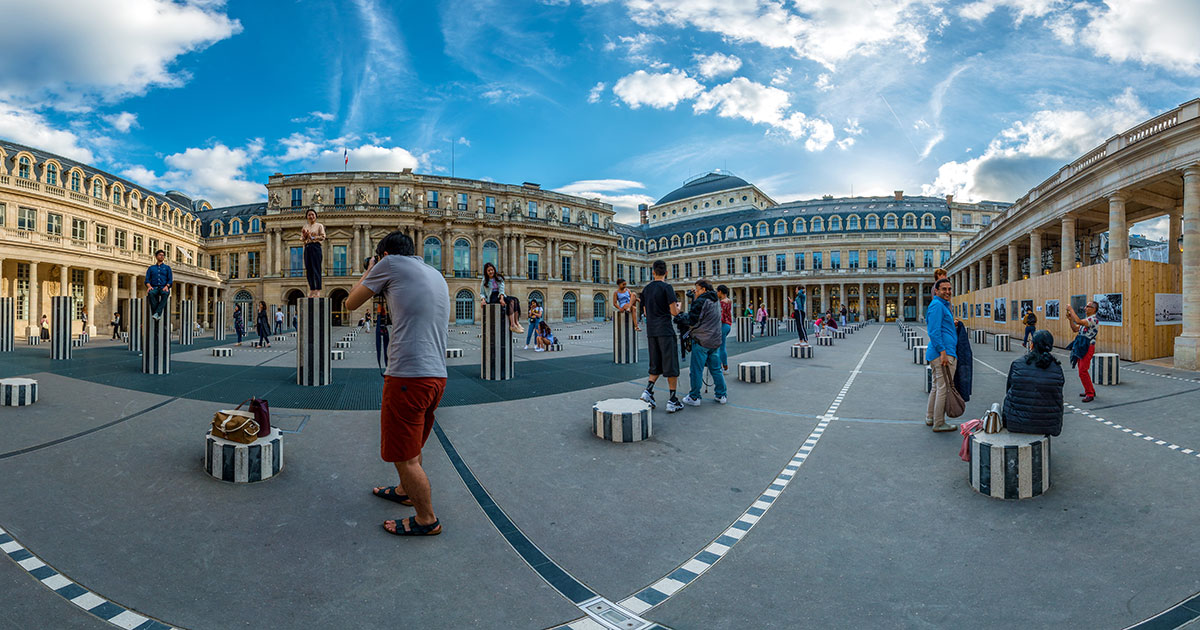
[312, 234]
[535, 320]
[1033, 398]
[491, 291]
[545, 338]
[239, 323]
[263, 326]
[626, 301]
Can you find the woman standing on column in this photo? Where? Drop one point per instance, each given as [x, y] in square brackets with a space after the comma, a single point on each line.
[239, 323]
[263, 326]
[313, 234]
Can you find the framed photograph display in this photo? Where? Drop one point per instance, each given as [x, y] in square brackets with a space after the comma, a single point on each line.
[1168, 309]
[1000, 311]
[1052, 309]
[1108, 308]
[1079, 305]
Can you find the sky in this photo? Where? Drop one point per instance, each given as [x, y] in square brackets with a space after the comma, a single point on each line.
[623, 100]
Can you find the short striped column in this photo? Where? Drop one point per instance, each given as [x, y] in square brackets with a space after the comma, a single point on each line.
[60, 327]
[454, 353]
[824, 341]
[802, 352]
[789, 324]
[187, 322]
[554, 347]
[754, 372]
[137, 308]
[33, 340]
[234, 462]
[222, 352]
[1009, 465]
[575, 337]
[622, 420]
[744, 328]
[18, 392]
[979, 336]
[1106, 368]
[314, 342]
[928, 378]
[915, 341]
[838, 333]
[772, 329]
[8, 324]
[497, 363]
[1002, 342]
[919, 355]
[337, 355]
[156, 343]
[625, 338]
[219, 322]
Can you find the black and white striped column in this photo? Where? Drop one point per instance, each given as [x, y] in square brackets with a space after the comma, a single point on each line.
[622, 420]
[497, 363]
[919, 355]
[136, 314]
[230, 461]
[18, 392]
[314, 342]
[1002, 342]
[824, 340]
[222, 352]
[156, 342]
[802, 352]
[1009, 465]
[754, 372]
[789, 324]
[744, 328]
[915, 341]
[928, 378]
[625, 338]
[772, 327]
[837, 333]
[8, 323]
[60, 327]
[187, 322]
[454, 353]
[979, 336]
[219, 322]
[1106, 368]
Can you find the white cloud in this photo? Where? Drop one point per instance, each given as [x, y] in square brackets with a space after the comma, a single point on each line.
[660, 91]
[717, 64]
[781, 76]
[385, 59]
[299, 147]
[595, 93]
[1022, 8]
[315, 115]
[112, 48]
[599, 185]
[1149, 32]
[637, 48]
[616, 192]
[824, 82]
[852, 127]
[30, 128]
[1028, 152]
[215, 173]
[762, 104]
[501, 94]
[367, 157]
[121, 122]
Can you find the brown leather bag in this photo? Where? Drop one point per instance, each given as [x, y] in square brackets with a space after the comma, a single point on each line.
[235, 425]
[955, 405]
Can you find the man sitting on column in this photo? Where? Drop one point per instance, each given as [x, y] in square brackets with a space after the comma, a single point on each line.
[158, 285]
[704, 319]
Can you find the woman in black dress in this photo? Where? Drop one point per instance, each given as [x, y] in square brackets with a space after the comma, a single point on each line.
[263, 326]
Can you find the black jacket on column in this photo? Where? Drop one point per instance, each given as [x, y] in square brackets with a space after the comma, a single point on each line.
[1033, 400]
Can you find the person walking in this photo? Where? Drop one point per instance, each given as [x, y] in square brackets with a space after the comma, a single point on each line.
[704, 318]
[1033, 398]
[158, 285]
[278, 320]
[941, 351]
[762, 320]
[842, 314]
[45, 326]
[625, 301]
[1030, 321]
[83, 321]
[799, 303]
[312, 235]
[239, 323]
[535, 320]
[116, 324]
[661, 305]
[415, 378]
[726, 324]
[1084, 345]
[262, 326]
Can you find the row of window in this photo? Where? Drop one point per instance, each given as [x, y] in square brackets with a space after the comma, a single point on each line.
[27, 221]
[803, 261]
[216, 228]
[464, 306]
[459, 201]
[798, 226]
[696, 206]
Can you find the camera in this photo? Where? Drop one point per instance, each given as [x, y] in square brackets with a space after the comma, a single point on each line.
[368, 260]
[690, 293]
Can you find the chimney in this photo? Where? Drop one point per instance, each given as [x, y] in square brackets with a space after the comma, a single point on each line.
[899, 194]
[644, 212]
[949, 199]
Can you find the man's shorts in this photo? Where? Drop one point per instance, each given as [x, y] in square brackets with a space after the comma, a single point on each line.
[664, 356]
[406, 415]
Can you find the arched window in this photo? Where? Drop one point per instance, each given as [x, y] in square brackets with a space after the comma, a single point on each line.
[433, 252]
[215, 229]
[889, 222]
[464, 307]
[23, 168]
[52, 174]
[701, 237]
[76, 181]
[746, 233]
[910, 221]
[675, 241]
[763, 230]
[927, 221]
[872, 222]
[835, 223]
[116, 194]
[536, 295]
[651, 246]
[491, 253]
[598, 307]
[662, 243]
[715, 235]
[255, 225]
[462, 258]
[569, 308]
[642, 244]
[780, 227]
[798, 226]
[818, 224]
[852, 223]
[687, 239]
[244, 296]
[97, 189]
[730, 233]
[235, 226]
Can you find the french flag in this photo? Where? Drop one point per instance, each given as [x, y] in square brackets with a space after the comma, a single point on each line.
[346, 155]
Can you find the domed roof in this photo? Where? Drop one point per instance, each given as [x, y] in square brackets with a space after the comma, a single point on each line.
[709, 183]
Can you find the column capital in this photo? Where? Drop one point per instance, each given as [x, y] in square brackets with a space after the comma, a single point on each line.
[1191, 172]
[1118, 195]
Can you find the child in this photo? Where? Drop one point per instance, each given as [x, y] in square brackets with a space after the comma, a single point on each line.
[545, 338]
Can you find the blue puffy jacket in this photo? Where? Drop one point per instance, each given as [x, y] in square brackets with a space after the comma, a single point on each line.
[964, 371]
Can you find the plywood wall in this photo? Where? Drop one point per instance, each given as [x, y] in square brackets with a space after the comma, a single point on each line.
[1136, 339]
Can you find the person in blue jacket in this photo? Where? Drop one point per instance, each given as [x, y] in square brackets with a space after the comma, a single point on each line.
[942, 354]
[158, 285]
[966, 362]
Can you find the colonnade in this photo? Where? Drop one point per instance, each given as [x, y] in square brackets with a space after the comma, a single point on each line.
[862, 298]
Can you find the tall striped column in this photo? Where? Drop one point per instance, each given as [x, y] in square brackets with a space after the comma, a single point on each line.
[8, 323]
[497, 364]
[187, 322]
[744, 328]
[156, 342]
[219, 322]
[625, 338]
[137, 308]
[314, 342]
[60, 327]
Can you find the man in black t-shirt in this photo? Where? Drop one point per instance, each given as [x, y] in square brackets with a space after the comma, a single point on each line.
[660, 305]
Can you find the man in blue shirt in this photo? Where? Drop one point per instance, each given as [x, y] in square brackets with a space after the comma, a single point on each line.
[940, 351]
[158, 285]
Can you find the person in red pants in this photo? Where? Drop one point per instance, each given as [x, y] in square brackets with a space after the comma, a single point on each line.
[1087, 329]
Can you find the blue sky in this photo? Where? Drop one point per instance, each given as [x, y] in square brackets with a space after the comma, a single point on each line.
[621, 99]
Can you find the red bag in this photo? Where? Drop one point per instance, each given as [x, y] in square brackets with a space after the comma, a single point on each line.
[262, 415]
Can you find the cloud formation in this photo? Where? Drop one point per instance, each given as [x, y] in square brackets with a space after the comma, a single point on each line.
[121, 122]
[763, 104]
[31, 128]
[216, 173]
[717, 64]
[616, 192]
[658, 90]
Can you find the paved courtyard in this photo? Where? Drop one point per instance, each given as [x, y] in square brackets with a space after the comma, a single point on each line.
[818, 500]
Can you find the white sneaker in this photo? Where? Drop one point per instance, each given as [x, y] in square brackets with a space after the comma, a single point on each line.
[526, 346]
[648, 398]
[675, 405]
[688, 400]
[721, 400]
[537, 349]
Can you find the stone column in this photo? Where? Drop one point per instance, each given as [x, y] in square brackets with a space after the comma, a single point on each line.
[133, 323]
[355, 245]
[882, 304]
[156, 342]
[496, 345]
[62, 309]
[114, 303]
[625, 338]
[8, 319]
[1174, 231]
[1035, 254]
[995, 269]
[187, 322]
[1187, 344]
[1014, 268]
[218, 324]
[89, 301]
[314, 342]
[35, 315]
[1118, 230]
[64, 281]
[1068, 244]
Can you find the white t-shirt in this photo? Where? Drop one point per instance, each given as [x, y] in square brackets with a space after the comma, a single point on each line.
[419, 304]
[278, 316]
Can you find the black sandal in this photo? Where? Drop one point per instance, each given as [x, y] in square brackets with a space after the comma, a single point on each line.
[415, 528]
[390, 494]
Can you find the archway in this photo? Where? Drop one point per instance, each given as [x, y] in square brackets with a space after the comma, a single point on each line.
[598, 307]
[338, 301]
[464, 307]
[292, 299]
[569, 308]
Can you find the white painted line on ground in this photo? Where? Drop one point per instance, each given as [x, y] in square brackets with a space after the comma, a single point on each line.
[1131, 432]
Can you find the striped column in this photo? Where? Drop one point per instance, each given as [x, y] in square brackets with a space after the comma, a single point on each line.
[744, 328]
[8, 323]
[314, 342]
[1106, 369]
[244, 463]
[919, 355]
[60, 327]
[754, 372]
[824, 341]
[18, 392]
[1009, 465]
[772, 329]
[625, 339]
[979, 336]
[914, 341]
[802, 352]
[622, 420]
[497, 363]
[137, 307]
[1002, 342]
[928, 378]
[219, 322]
[156, 342]
[187, 322]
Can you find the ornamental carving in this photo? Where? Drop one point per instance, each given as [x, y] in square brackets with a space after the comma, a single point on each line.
[406, 196]
[317, 199]
[273, 200]
[361, 196]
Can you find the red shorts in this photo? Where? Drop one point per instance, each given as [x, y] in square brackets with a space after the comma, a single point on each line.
[406, 416]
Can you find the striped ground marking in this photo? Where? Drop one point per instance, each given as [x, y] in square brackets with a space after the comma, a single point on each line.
[1131, 432]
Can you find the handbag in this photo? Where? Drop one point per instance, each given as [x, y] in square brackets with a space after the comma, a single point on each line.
[991, 420]
[262, 415]
[955, 406]
[235, 425]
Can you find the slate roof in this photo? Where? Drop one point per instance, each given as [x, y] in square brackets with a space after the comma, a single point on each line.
[704, 185]
[244, 212]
